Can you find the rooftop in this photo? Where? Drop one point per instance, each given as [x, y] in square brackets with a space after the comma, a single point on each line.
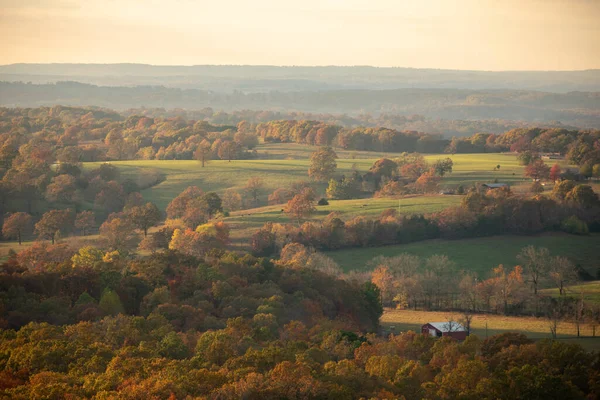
[448, 326]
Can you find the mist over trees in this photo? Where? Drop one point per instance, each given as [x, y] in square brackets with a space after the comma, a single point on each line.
[573, 108]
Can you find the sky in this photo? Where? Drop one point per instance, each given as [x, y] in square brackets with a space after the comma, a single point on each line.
[447, 34]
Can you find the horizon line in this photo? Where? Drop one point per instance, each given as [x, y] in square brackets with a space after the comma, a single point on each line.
[291, 66]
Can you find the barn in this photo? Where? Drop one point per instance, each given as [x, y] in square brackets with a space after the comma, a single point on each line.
[449, 328]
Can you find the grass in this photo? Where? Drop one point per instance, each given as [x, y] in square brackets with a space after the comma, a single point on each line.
[219, 175]
[244, 222]
[589, 290]
[482, 254]
[485, 325]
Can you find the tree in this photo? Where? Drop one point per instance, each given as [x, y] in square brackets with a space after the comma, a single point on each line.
[54, 222]
[232, 200]
[111, 197]
[372, 298]
[537, 170]
[301, 206]
[561, 189]
[85, 221]
[87, 257]
[536, 188]
[596, 171]
[346, 188]
[178, 206]
[144, 217]
[583, 195]
[214, 203]
[63, 189]
[528, 157]
[322, 164]
[443, 166]
[555, 172]
[428, 182]
[203, 152]
[562, 272]
[254, 187]
[413, 166]
[535, 263]
[118, 234]
[17, 225]
[228, 150]
[110, 303]
[280, 196]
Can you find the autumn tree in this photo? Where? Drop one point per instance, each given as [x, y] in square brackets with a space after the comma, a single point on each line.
[17, 225]
[178, 206]
[63, 189]
[118, 234]
[322, 164]
[301, 206]
[232, 200]
[228, 150]
[203, 152]
[555, 172]
[53, 223]
[561, 189]
[412, 165]
[509, 286]
[583, 195]
[428, 182]
[537, 170]
[254, 188]
[280, 196]
[85, 221]
[144, 217]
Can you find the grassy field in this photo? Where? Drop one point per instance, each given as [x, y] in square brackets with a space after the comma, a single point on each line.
[589, 290]
[219, 175]
[487, 325]
[244, 222]
[482, 254]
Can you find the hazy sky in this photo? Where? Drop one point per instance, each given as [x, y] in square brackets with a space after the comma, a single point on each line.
[457, 34]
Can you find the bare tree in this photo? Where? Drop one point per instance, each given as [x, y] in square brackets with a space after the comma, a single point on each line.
[562, 272]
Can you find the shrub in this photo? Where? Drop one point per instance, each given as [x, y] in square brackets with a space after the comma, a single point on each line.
[323, 202]
[575, 226]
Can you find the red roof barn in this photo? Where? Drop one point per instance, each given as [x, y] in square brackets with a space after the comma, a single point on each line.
[449, 328]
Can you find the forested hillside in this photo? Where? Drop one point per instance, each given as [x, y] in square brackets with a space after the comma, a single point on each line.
[573, 108]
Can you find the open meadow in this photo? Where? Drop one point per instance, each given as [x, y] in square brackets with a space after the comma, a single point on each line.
[219, 175]
[480, 255]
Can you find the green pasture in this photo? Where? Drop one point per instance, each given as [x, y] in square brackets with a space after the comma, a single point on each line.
[590, 291]
[219, 175]
[482, 254]
[244, 223]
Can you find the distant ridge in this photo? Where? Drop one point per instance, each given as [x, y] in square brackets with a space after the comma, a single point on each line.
[265, 78]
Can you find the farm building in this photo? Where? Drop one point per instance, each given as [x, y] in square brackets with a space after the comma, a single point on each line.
[449, 328]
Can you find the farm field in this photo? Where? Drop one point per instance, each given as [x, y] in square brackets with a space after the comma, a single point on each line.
[589, 290]
[219, 175]
[482, 254]
[244, 223]
[535, 328]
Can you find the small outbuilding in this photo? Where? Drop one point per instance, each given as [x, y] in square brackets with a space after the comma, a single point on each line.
[449, 328]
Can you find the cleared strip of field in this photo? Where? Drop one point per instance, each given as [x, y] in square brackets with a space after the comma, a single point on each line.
[219, 175]
[482, 254]
[485, 325]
